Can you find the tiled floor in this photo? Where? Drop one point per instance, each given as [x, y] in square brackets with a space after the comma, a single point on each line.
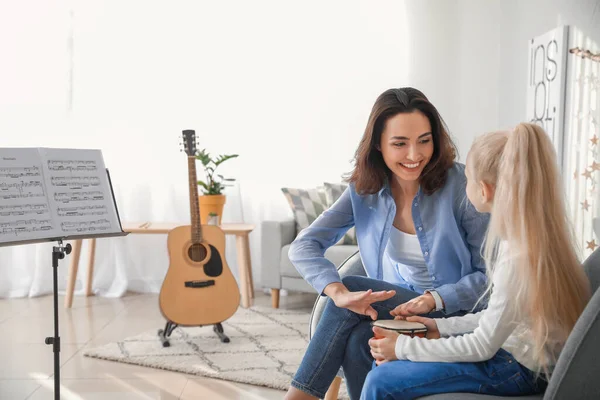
[26, 363]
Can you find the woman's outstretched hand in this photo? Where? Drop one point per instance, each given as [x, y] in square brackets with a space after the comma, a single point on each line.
[419, 305]
[358, 302]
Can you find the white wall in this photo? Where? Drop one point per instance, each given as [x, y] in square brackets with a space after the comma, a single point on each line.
[470, 56]
[288, 86]
[433, 63]
[454, 54]
[522, 20]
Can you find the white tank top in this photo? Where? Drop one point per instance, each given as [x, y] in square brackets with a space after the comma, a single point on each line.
[405, 260]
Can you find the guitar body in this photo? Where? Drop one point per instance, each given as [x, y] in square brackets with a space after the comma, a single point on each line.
[199, 288]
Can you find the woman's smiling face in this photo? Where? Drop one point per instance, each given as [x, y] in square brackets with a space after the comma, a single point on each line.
[407, 144]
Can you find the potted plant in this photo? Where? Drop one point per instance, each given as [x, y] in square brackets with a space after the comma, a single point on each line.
[212, 199]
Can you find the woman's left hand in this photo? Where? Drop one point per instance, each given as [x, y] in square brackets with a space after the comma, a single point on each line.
[383, 349]
[419, 305]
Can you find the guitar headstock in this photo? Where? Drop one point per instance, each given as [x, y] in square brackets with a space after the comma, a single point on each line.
[189, 142]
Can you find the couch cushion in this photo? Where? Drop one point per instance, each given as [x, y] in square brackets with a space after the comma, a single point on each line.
[296, 285]
[307, 205]
[576, 372]
[336, 254]
[333, 191]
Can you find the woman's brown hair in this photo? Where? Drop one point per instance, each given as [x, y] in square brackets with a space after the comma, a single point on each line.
[370, 172]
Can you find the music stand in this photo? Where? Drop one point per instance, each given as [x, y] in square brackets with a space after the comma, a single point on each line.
[54, 195]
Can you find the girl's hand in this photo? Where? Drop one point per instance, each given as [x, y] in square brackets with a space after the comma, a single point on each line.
[432, 329]
[419, 305]
[383, 349]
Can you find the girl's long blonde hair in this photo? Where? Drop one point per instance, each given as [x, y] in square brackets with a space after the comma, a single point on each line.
[528, 215]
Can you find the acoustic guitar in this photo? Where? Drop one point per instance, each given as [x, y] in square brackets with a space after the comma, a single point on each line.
[199, 288]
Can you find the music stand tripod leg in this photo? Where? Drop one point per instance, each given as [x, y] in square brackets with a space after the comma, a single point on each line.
[58, 253]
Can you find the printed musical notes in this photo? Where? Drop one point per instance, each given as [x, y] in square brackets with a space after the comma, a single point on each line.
[86, 226]
[19, 172]
[72, 165]
[65, 197]
[20, 182]
[25, 226]
[21, 189]
[24, 209]
[79, 192]
[76, 182]
[81, 211]
[54, 193]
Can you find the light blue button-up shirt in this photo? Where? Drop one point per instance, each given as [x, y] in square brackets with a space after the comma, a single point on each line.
[449, 229]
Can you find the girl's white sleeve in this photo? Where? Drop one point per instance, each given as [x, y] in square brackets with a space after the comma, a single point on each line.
[458, 325]
[494, 326]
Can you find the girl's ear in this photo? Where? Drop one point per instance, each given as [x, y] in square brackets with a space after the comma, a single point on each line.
[487, 192]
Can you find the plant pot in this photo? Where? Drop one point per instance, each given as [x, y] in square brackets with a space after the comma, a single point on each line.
[213, 203]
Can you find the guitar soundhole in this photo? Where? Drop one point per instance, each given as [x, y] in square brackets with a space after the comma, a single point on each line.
[197, 252]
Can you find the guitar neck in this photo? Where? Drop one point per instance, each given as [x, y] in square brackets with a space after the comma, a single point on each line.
[194, 205]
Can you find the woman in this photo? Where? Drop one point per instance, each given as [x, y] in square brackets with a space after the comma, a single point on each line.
[419, 238]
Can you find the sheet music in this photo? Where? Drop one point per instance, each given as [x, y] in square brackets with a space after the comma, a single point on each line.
[78, 191]
[24, 209]
[51, 193]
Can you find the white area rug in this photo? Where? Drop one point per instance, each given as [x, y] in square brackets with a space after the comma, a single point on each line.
[266, 348]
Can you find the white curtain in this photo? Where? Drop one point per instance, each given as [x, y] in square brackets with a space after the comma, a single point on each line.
[582, 145]
[287, 86]
[34, 104]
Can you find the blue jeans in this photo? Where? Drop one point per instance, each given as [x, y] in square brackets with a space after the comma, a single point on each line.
[341, 340]
[501, 375]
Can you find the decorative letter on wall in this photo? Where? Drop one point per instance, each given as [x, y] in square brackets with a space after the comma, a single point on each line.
[546, 84]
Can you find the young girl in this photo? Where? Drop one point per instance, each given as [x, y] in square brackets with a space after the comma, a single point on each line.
[538, 288]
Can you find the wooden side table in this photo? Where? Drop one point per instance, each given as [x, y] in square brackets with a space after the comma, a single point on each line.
[241, 232]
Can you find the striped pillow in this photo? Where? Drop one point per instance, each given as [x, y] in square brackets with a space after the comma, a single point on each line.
[333, 191]
[307, 205]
